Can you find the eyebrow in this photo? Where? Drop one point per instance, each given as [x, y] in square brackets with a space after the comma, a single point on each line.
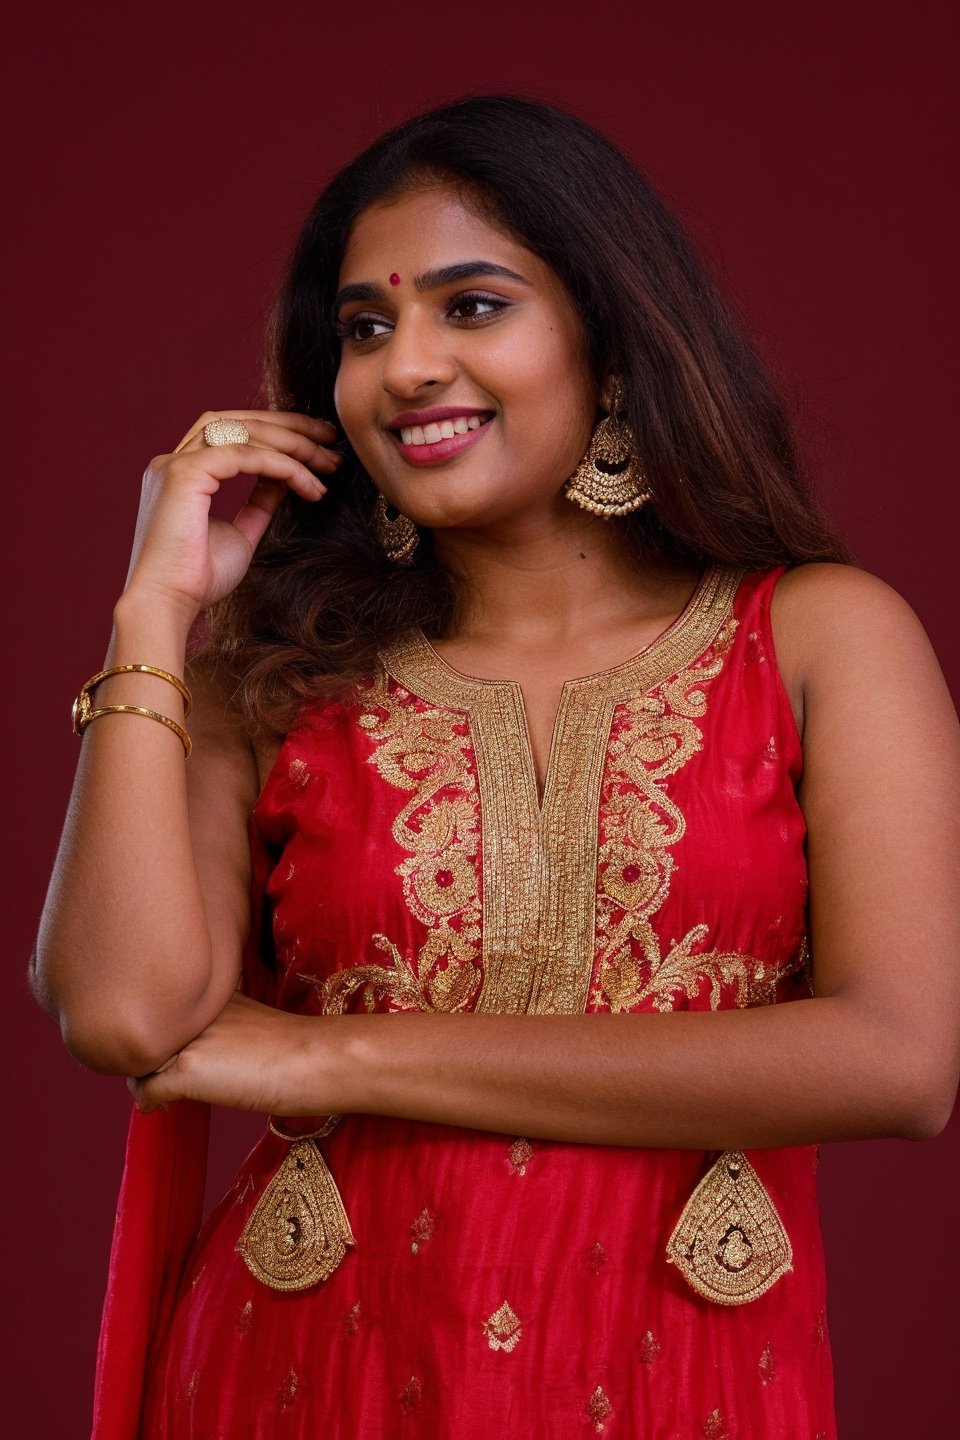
[429, 280]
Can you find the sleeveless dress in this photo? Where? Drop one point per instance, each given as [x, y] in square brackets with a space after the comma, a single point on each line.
[497, 1285]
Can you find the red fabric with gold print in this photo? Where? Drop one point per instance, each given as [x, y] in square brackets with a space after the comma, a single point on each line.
[502, 1285]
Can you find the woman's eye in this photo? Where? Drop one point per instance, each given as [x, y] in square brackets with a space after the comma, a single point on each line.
[476, 307]
[362, 327]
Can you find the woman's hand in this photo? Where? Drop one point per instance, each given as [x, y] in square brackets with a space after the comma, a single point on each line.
[183, 556]
[249, 1058]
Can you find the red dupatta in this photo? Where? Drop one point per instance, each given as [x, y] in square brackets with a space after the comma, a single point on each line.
[158, 1215]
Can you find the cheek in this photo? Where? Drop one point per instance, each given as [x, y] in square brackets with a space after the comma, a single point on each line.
[351, 405]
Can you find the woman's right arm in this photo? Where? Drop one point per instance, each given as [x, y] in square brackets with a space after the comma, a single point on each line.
[147, 911]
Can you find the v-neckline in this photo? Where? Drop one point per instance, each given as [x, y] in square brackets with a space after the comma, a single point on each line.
[427, 674]
[537, 850]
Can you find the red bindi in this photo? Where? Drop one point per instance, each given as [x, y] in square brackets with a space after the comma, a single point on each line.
[394, 278]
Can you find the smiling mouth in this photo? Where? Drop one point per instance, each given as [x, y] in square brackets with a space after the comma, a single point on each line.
[433, 433]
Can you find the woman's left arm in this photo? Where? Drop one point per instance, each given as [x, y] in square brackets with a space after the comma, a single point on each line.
[875, 1052]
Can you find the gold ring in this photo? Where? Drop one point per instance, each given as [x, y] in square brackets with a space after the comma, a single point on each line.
[226, 432]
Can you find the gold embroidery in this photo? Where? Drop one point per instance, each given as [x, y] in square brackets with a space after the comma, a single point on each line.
[193, 1385]
[715, 1427]
[596, 1258]
[649, 1348]
[298, 1232]
[539, 860]
[288, 1389]
[820, 1328]
[520, 1152]
[729, 1243]
[503, 1329]
[245, 1318]
[422, 1230]
[654, 736]
[598, 1408]
[351, 1321]
[411, 1395]
[299, 773]
[425, 752]
[767, 1365]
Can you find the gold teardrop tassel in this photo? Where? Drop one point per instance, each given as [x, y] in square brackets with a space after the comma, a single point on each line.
[729, 1243]
[298, 1232]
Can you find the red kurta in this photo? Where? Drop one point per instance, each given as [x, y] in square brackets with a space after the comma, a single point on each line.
[499, 1285]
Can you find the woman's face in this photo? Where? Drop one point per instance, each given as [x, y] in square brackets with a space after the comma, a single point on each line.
[463, 384]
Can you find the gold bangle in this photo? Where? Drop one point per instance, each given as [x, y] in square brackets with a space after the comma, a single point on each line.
[83, 707]
[81, 722]
[173, 680]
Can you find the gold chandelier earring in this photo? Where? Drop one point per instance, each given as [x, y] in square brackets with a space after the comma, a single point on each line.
[396, 532]
[610, 479]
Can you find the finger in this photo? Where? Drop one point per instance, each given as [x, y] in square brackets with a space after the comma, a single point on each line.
[292, 442]
[223, 462]
[142, 1095]
[253, 518]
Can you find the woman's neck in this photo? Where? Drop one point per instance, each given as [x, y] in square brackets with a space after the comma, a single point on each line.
[551, 585]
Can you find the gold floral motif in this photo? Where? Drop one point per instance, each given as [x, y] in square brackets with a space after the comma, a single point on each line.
[351, 1321]
[598, 1409]
[288, 1389]
[596, 1258]
[298, 1231]
[503, 1329]
[519, 1154]
[422, 1230]
[654, 736]
[767, 1365]
[245, 1318]
[397, 982]
[426, 752]
[299, 773]
[193, 1385]
[626, 983]
[411, 1395]
[729, 1244]
[715, 1427]
[649, 1348]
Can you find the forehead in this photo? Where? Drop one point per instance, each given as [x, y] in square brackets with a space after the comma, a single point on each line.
[426, 229]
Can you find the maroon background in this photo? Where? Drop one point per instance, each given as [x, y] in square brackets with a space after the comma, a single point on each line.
[160, 167]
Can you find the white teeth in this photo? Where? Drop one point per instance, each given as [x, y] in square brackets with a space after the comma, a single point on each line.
[430, 434]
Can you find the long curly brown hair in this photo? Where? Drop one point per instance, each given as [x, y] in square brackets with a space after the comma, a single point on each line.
[320, 599]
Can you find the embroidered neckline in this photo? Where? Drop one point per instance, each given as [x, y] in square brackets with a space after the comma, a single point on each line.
[669, 652]
[539, 857]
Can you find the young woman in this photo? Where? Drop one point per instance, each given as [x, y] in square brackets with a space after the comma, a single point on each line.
[569, 736]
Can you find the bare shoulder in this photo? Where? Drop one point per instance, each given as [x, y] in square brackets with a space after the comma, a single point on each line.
[834, 625]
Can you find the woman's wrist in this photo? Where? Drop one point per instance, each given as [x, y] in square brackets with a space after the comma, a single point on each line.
[145, 632]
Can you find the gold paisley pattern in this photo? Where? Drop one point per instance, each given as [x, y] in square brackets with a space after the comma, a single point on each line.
[426, 752]
[654, 737]
[539, 858]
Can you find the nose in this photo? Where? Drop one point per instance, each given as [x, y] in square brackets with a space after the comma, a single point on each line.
[417, 357]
